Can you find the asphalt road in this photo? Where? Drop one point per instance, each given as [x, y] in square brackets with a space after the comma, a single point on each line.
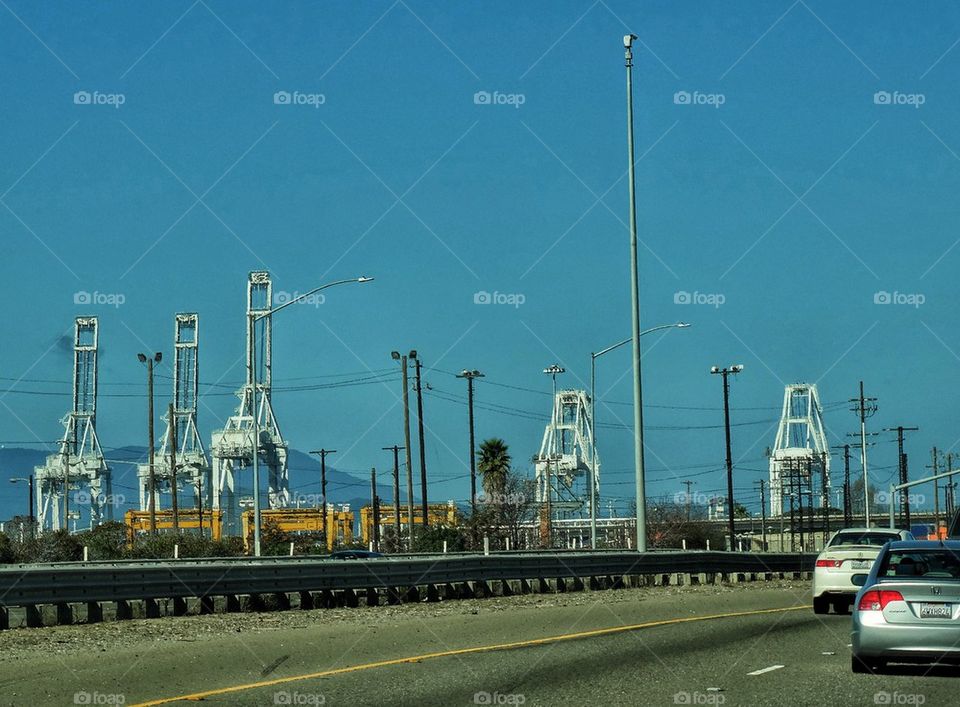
[726, 660]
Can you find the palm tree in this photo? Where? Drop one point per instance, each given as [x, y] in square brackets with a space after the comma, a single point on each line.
[493, 465]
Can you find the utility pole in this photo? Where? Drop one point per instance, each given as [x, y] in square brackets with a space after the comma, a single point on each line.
[800, 500]
[861, 405]
[375, 503]
[949, 487]
[396, 490]
[825, 493]
[423, 453]
[763, 513]
[406, 440]
[936, 496]
[323, 489]
[793, 493]
[470, 375]
[65, 456]
[847, 508]
[152, 503]
[688, 484]
[725, 373]
[902, 467]
[173, 471]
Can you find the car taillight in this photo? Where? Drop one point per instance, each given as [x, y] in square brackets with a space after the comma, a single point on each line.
[877, 600]
[829, 563]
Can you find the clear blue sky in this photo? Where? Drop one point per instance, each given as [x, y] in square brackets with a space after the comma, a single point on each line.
[796, 200]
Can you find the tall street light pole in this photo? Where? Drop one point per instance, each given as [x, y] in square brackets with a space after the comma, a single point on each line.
[254, 318]
[725, 372]
[423, 454]
[593, 416]
[555, 453]
[152, 502]
[406, 441]
[470, 375]
[635, 317]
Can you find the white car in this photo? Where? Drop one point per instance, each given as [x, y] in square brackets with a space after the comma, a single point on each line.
[850, 551]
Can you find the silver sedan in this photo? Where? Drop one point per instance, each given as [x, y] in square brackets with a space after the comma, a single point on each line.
[908, 607]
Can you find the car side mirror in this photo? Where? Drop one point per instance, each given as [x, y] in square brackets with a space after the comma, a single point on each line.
[859, 579]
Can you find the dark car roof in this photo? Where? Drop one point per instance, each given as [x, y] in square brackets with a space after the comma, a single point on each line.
[924, 545]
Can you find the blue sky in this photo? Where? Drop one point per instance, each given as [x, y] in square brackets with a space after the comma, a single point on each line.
[816, 165]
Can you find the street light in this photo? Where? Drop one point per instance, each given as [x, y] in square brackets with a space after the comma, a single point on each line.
[152, 503]
[254, 318]
[635, 310]
[470, 375]
[28, 481]
[593, 415]
[725, 372]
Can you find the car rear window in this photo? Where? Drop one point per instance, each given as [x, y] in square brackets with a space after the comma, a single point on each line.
[863, 538]
[938, 563]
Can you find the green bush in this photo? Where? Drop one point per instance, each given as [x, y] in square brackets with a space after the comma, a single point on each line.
[59, 546]
[8, 553]
[107, 541]
[431, 539]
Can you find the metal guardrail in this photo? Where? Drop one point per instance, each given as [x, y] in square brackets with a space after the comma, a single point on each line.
[66, 583]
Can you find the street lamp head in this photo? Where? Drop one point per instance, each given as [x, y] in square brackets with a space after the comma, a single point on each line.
[736, 369]
[141, 358]
[395, 355]
[470, 374]
[714, 369]
[554, 369]
[628, 40]
[412, 354]
[682, 325]
[363, 278]
[158, 356]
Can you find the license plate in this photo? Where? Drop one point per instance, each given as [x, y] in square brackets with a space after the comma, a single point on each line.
[936, 611]
[860, 564]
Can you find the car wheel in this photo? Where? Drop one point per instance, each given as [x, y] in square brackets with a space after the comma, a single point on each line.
[821, 605]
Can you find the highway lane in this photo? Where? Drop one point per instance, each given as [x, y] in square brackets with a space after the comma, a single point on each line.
[689, 662]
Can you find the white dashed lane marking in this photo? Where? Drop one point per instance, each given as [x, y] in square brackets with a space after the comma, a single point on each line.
[766, 670]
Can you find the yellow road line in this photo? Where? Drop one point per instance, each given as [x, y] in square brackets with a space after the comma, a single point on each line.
[460, 651]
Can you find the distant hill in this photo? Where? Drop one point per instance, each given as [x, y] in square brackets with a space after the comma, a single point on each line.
[304, 470]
